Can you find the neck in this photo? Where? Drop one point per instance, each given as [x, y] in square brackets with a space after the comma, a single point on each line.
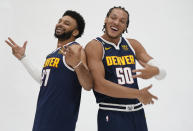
[64, 42]
[110, 39]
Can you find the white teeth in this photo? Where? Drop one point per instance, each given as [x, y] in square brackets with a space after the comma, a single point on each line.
[59, 29]
[114, 28]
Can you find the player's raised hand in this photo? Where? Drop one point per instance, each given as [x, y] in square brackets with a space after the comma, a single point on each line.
[17, 51]
[146, 97]
[72, 54]
[147, 72]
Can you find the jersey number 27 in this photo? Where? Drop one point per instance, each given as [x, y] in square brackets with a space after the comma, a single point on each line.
[45, 76]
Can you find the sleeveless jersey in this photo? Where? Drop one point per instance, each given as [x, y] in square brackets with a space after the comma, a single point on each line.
[118, 61]
[59, 96]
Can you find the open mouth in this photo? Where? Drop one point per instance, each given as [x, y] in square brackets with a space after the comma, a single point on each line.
[114, 28]
[59, 30]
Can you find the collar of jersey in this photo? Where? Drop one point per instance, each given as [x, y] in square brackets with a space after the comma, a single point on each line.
[64, 46]
[113, 44]
[68, 43]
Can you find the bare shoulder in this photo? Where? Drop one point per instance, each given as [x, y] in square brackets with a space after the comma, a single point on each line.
[134, 43]
[93, 44]
[94, 48]
[140, 51]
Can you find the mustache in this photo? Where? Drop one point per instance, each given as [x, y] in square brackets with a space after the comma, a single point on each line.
[59, 27]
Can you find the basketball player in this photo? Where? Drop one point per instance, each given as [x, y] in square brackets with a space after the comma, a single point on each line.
[64, 72]
[112, 65]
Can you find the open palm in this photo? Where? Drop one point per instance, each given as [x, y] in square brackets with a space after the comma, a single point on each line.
[17, 50]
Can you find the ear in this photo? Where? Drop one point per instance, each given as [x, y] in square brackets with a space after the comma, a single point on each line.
[125, 28]
[75, 32]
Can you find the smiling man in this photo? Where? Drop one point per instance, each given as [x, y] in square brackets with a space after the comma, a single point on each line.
[63, 75]
[112, 60]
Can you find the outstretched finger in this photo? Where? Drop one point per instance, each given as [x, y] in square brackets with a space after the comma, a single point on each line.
[14, 44]
[155, 97]
[24, 45]
[150, 86]
[137, 76]
[11, 45]
[137, 70]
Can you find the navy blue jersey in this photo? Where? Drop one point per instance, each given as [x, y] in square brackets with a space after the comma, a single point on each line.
[118, 61]
[59, 96]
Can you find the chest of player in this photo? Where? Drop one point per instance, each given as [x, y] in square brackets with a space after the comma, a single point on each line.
[54, 61]
[118, 64]
[56, 71]
[122, 57]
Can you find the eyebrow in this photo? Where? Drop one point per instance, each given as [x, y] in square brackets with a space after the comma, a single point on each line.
[121, 18]
[67, 21]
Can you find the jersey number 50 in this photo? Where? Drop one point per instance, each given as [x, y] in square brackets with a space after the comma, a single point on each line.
[124, 75]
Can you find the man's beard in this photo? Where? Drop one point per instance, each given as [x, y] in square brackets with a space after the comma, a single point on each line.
[63, 36]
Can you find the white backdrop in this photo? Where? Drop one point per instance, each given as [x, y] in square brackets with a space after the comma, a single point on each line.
[164, 27]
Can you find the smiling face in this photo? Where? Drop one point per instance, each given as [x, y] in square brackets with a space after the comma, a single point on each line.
[66, 28]
[116, 23]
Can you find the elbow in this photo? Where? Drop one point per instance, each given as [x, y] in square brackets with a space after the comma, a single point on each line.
[88, 88]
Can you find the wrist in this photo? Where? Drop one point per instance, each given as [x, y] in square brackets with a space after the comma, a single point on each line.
[156, 70]
[138, 94]
[161, 72]
[24, 55]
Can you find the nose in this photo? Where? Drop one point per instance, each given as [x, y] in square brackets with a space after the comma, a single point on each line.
[116, 22]
[58, 24]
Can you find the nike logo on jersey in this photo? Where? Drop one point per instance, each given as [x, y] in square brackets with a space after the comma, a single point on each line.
[117, 60]
[107, 48]
[52, 62]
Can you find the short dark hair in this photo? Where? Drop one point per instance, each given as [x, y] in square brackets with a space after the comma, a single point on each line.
[79, 19]
[118, 7]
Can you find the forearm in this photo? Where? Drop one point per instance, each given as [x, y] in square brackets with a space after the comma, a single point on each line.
[32, 70]
[84, 77]
[114, 90]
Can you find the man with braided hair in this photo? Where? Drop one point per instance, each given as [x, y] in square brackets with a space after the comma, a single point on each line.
[112, 65]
